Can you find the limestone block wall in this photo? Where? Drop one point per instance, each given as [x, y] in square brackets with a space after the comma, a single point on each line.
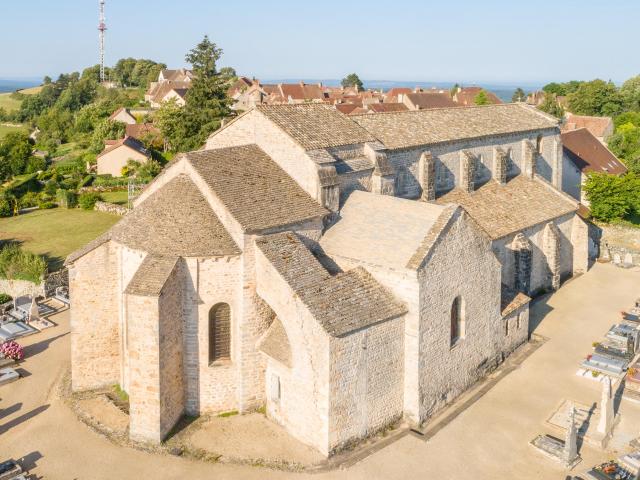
[303, 404]
[144, 361]
[365, 382]
[95, 332]
[360, 180]
[254, 127]
[171, 365]
[515, 329]
[447, 159]
[461, 265]
[210, 388]
[569, 244]
[571, 178]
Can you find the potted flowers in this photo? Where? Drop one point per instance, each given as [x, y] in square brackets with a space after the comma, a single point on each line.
[11, 350]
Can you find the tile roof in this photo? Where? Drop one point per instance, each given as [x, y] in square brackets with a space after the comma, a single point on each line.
[342, 303]
[128, 142]
[151, 276]
[301, 91]
[315, 125]
[599, 126]
[387, 107]
[175, 221]
[511, 300]
[346, 108]
[115, 114]
[504, 209]
[589, 154]
[467, 95]
[439, 125]
[381, 229]
[166, 87]
[275, 343]
[423, 100]
[92, 245]
[255, 190]
[140, 130]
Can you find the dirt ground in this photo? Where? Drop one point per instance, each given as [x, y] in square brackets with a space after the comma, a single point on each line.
[254, 437]
[488, 440]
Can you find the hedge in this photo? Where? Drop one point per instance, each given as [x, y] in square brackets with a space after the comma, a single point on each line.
[18, 264]
[88, 200]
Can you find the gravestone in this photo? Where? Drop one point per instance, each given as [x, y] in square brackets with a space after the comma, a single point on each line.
[571, 439]
[616, 259]
[8, 375]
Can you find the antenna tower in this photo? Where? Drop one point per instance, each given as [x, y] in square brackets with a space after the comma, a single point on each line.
[102, 27]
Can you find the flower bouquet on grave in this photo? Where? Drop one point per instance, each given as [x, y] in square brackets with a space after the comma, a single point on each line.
[12, 350]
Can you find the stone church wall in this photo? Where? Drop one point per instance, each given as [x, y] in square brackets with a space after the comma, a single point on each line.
[461, 265]
[365, 382]
[515, 329]
[95, 334]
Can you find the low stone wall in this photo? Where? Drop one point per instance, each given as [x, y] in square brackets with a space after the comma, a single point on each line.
[17, 288]
[111, 208]
[620, 244]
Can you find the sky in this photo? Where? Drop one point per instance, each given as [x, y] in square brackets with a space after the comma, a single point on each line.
[500, 42]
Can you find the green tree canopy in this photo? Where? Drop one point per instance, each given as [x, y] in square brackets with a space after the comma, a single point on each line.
[551, 105]
[612, 197]
[518, 95]
[15, 150]
[630, 93]
[596, 97]
[352, 80]
[481, 98]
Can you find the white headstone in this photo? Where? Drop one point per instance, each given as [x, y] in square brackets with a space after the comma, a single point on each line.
[616, 258]
[571, 440]
[606, 408]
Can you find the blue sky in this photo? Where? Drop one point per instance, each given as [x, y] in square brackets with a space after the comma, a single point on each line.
[469, 41]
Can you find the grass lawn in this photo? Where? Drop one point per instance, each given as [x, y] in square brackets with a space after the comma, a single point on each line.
[4, 129]
[119, 198]
[57, 232]
[8, 103]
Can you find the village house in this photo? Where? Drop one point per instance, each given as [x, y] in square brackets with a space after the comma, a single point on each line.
[466, 96]
[429, 99]
[583, 153]
[601, 127]
[123, 115]
[345, 272]
[117, 153]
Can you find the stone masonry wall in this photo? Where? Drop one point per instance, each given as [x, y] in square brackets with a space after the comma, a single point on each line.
[461, 265]
[515, 329]
[304, 388]
[95, 335]
[172, 385]
[365, 382]
[144, 364]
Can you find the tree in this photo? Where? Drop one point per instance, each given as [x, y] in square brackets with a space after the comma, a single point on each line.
[630, 93]
[518, 95]
[454, 89]
[551, 105]
[481, 98]
[15, 150]
[106, 130]
[352, 80]
[229, 73]
[596, 97]
[46, 80]
[206, 101]
[612, 197]
[171, 122]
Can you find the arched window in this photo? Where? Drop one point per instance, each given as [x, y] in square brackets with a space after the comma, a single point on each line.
[457, 320]
[219, 332]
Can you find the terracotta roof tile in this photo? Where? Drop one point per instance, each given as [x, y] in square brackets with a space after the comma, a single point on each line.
[598, 126]
[504, 209]
[257, 192]
[342, 303]
[440, 125]
[387, 107]
[424, 100]
[589, 154]
[128, 142]
[315, 126]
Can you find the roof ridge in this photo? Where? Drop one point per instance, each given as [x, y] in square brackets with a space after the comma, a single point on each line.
[438, 108]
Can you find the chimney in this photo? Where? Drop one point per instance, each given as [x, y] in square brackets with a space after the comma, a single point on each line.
[467, 171]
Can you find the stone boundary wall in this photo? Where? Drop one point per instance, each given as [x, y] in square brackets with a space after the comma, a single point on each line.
[111, 208]
[620, 244]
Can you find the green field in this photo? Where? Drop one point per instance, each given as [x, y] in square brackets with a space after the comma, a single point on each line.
[6, 128]
[119, 198]
[30, 91]
[57, 232]
[8, 103]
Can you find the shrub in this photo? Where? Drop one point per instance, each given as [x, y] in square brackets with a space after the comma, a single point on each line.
[36, 164]
[12, 350]
[29, 199]
[88, 200]
[67, 198]
[5, 298]
[109, 181]
[18, 264]
[46, 205]
[86, 181]
[612, 197]
[5, 208]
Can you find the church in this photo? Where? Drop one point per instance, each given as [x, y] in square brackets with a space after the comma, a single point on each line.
[344, 273]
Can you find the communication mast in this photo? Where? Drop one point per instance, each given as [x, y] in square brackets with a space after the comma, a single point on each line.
[102, 27]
